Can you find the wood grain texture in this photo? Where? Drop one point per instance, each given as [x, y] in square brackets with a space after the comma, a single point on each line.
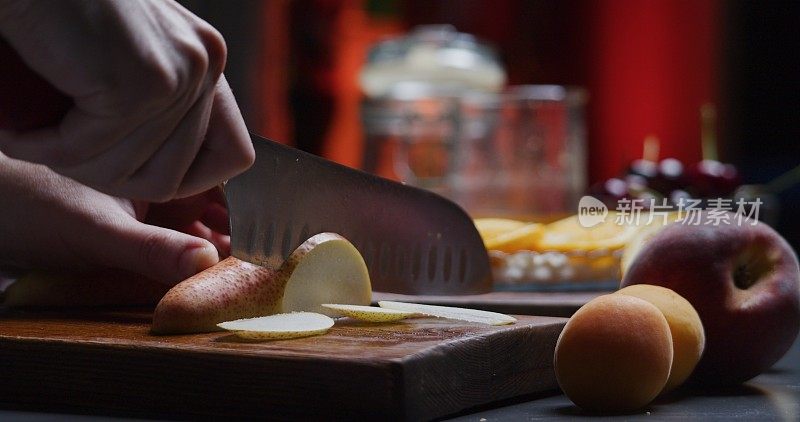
[558, 304]
[409, 370]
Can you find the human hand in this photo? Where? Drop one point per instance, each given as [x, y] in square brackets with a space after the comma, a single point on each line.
[153, 119]
[53, 222]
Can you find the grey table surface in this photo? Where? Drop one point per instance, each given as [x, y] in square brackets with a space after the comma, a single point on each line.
[771, 396]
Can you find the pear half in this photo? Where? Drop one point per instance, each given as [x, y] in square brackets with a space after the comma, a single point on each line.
[326, 268]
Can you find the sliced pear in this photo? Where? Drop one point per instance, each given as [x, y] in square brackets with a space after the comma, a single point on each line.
[229, 290]
[326, 268]
[369, 313]
[280, 326]
[462, 314]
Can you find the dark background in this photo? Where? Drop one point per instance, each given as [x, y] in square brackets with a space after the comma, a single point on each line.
[762, 94]
[759, 69]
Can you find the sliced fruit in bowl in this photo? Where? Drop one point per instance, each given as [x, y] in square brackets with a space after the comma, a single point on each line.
[490, 228]
[523, 238]
[569, 235]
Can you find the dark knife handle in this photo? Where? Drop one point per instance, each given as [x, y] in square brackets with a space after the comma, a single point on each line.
[27, 101]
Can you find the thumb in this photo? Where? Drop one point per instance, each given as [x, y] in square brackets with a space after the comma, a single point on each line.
[165, 255]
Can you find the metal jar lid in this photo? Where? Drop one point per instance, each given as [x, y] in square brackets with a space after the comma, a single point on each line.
[431, 58]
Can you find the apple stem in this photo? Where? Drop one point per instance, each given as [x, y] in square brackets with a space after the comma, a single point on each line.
[742, 278]
[708, 131]
[784, 181]
[651, 148]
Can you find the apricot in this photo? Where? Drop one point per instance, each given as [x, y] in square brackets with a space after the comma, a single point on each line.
[614, 354]
[688, 336]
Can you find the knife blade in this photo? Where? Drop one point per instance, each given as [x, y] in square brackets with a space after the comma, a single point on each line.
[412, 240]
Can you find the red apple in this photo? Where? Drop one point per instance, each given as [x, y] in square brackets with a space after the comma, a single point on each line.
[744, 282]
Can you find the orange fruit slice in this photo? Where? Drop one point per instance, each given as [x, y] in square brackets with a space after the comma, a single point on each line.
[524, 237]
[569, 235]
[490, 228]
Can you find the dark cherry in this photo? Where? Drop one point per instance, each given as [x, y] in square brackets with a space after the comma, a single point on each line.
[644, 168]
[639, 188]
[636, 182]
[610, 191]
[713, 179]
[670, 176]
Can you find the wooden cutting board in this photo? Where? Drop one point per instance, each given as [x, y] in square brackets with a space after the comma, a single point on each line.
[417, 369]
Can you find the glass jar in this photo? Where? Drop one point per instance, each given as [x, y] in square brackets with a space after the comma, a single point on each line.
[435, 117]
[416, 87]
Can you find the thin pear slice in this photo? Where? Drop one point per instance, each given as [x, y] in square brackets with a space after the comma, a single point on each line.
[369, 313]
[462, 314]
[280, 326]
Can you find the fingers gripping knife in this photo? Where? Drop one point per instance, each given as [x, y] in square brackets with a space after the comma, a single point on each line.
[413, 241]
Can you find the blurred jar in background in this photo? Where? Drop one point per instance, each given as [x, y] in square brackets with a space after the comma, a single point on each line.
[435, 116]
[414, 86]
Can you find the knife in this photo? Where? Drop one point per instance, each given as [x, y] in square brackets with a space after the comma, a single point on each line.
[413, 241]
